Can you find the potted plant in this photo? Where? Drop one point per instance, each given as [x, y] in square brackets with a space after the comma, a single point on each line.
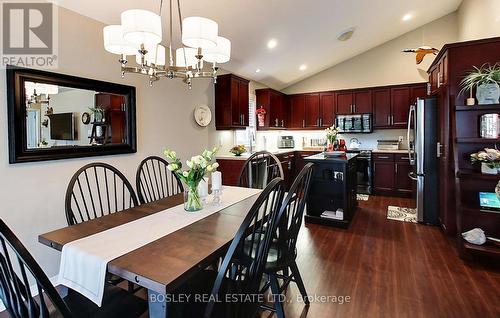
[98, 113]
[489, 159]
[198, 166]
[331, 136]
[261, 116]
[238, 150]
[486, 79]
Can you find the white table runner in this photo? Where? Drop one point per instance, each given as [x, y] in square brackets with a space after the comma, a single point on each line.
[84, 261]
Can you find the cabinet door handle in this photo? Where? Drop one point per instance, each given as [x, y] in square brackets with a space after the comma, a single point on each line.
[396, 168]
[383, 157]
[282, 123]
[243, 119]
[389, 120]
[276, 122]
[392, 120]
[303, 122]
[354, 106]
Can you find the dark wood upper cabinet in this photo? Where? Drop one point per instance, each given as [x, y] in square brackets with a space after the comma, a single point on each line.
[362, 101]
[275, 103]
[327, 109]
[298, 111]
[344, 102]
[417, 91]
[381, 108]
[401, 102]
[312, 110]
[231, 102]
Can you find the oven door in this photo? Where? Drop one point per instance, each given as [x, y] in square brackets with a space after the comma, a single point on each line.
[364, 175]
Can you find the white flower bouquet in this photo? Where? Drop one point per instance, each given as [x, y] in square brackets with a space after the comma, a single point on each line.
[331, 134]
[198, 167]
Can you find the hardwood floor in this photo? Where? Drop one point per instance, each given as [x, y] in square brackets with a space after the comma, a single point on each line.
[390, 269]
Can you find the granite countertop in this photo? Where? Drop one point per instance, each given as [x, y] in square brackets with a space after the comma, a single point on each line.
[244, 156]
[322, 157]
[390, 151]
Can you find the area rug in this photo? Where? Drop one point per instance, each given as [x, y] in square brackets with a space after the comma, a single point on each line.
[401, 214]
[362, 197]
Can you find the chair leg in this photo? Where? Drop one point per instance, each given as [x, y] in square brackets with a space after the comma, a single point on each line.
[275, 289]
[300, 283]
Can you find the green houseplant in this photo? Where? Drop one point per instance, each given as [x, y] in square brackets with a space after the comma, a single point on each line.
[198, 166]
[486, 79]
[489, 159]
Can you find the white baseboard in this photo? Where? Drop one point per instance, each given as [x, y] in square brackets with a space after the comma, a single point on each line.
[34, 290]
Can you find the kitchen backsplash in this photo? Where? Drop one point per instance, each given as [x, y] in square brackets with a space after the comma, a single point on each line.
[268, 140]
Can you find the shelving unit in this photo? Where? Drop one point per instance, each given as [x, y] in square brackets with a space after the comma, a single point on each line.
[478, 107]
[478, 140]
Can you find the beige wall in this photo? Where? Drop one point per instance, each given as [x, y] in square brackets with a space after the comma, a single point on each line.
[32, 195]
[478, 19]
[385, 64]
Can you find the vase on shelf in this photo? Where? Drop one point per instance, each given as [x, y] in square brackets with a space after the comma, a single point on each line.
[488, 93]
[488, 169]
[192, 199]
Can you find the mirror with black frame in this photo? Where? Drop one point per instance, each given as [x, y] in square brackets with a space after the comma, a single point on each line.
[56, 116]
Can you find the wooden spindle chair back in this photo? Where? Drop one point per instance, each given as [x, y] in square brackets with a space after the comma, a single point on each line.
[254, 236]
[25, 290]
[259, 169]
[96, 190]
[154, 181]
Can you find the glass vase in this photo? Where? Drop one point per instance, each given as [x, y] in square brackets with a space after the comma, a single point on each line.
[192, 199]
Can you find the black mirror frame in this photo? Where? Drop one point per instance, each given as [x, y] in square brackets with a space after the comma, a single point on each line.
[16, 106]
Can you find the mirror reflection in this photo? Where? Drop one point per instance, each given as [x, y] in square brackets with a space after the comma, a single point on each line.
[58, 116]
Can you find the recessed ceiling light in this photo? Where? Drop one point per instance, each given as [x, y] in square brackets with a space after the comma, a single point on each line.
[257, 70]
[303, 67]
[346, 34]
[407, 17]
[271, 44]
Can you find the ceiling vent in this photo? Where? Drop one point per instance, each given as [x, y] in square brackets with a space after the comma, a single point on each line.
[346, 34]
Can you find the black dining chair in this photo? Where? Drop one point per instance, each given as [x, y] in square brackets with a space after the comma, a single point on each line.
[283, 252]
[154, 181]
[95, 190]
[237, 277]
[259, 169]
[27, 292]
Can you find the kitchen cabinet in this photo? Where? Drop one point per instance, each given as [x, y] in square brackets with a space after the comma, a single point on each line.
[354, 101]
[276, 106]
[438, 74]
[231, 102]
[401, 101]
[327, 109]
[312, 110]
[382, 108]
[391, 174]
[287, 163]
[298, 111]
[230, 169]
[344, 100]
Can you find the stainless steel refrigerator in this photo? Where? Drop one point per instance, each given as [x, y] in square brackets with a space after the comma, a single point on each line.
[422, 139]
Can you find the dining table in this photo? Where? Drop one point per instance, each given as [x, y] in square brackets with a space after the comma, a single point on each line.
[165, 264]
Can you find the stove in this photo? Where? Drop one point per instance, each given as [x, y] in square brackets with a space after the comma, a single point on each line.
[364, 170]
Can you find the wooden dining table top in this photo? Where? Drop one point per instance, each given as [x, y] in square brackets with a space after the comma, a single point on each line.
[164, 264]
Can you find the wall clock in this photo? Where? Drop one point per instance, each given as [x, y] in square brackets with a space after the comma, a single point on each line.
[85, 118]
[202, 115]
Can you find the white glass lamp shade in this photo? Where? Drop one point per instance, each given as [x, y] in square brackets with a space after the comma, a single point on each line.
[190, 60]
[150, 57]
[114, 41]
[141, 27]
[219, 54]
[199, 32]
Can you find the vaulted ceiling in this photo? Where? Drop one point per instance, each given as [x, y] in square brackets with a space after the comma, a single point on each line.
[305, 31]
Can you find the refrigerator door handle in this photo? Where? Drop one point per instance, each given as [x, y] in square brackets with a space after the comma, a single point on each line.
[411, 151]
[413, 176]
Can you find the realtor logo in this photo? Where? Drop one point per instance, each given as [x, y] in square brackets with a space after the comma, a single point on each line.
[28, 34]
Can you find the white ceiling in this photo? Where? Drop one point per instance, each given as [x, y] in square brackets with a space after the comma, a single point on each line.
[306, 30]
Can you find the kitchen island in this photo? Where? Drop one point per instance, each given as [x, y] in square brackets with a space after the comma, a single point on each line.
[333, 190]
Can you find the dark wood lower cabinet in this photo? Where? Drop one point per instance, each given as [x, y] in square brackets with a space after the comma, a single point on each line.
[391, 175]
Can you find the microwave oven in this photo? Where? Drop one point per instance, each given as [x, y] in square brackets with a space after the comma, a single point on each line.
[356, 123]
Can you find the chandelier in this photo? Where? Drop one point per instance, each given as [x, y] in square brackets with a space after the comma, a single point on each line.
[140, 34]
